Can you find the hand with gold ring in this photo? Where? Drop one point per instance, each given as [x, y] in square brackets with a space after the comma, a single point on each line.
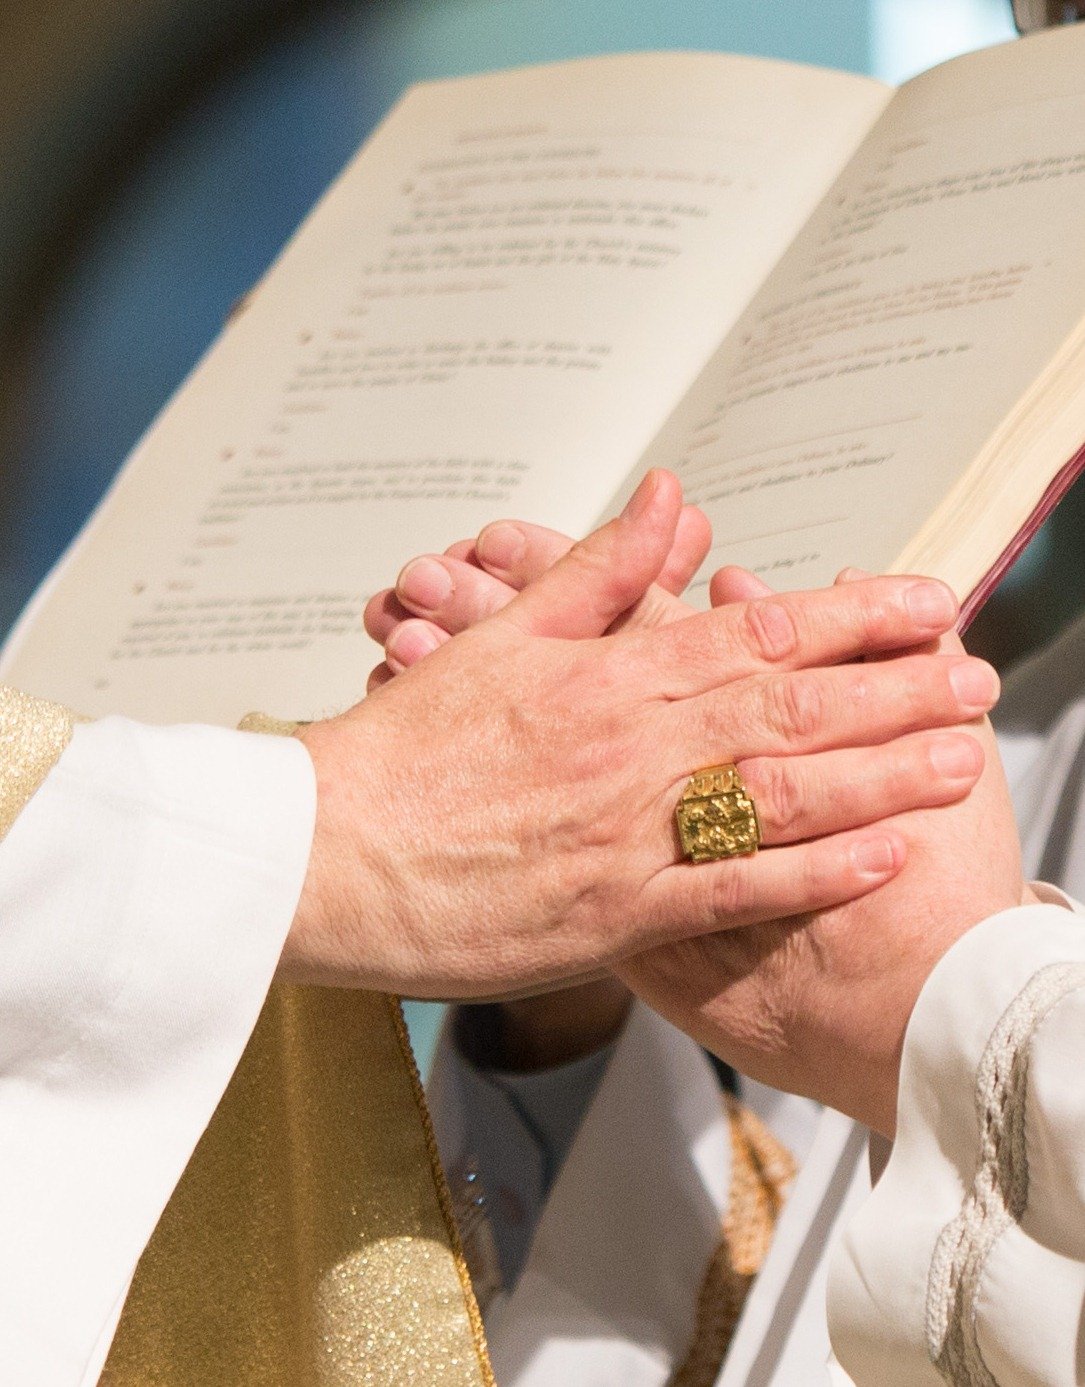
[501, 818]
[816, 1004]
[887, 754]
[820, 1007]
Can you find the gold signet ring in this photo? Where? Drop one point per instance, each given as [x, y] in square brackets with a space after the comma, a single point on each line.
[716, 816]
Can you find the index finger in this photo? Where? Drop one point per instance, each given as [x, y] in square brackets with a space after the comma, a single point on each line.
[795, 630]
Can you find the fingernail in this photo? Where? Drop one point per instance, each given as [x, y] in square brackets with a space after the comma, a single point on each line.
[931, 606]
[642, 498]
[976, 685]
[500, 546]
[876, 857]
[956, 758]
[425, 583]
[852, 575]
[408, 644]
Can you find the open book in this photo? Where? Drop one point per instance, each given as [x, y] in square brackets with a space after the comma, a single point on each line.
[852, 319]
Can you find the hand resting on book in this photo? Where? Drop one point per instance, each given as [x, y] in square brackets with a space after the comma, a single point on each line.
[817, 1005]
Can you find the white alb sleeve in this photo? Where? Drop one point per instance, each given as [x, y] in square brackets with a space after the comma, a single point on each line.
[145, 894]
[967, 1263]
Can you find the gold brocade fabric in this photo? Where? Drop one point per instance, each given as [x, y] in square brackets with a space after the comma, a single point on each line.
[33, 735]
[310, 1242]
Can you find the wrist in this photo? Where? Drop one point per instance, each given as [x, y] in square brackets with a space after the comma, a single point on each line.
[546, 1031]
[334, 937]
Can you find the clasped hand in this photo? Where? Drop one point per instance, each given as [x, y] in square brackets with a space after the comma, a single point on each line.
[805, 992]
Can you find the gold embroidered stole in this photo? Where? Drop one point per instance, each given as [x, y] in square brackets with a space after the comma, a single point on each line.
[310, 1242]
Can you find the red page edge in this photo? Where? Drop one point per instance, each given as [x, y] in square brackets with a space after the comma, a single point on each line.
[1056, 490]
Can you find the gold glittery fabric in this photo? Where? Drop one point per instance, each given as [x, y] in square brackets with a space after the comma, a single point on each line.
[33, 735]
[762, 1171]
[310, 1241]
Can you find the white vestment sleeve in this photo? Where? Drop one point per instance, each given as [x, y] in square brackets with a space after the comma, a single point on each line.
[145, 894]
[967, 1263]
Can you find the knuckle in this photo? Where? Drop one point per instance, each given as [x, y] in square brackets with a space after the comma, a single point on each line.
[823, 867]
[617, 587]
[861, 682]
[796, 706]
[479, 602]
[770, 630]
[864, 696]
[871, 610]
[918, 695]
[875, 615]
[729, 892]
[779, 797]
[907, 771]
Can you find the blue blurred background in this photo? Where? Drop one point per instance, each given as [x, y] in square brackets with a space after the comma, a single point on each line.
[154, 155]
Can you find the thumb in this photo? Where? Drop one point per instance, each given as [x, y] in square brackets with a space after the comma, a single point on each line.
[603, 575]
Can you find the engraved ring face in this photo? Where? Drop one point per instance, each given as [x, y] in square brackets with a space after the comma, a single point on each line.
[716, 817]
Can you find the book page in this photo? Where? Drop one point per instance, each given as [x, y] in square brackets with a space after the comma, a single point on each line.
[934, 285]
[491, 313]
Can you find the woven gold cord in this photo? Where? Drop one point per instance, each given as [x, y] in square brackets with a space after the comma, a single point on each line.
[762, 1170]
[33, 735]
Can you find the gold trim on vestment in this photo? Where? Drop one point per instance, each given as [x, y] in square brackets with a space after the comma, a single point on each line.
[444, 1195]
[269, 726]
[33, 737]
